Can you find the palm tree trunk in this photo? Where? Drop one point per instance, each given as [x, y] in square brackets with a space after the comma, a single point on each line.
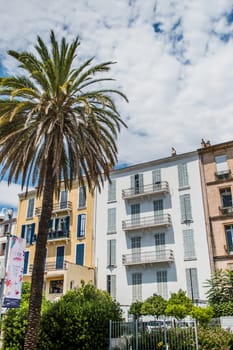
[39, 262]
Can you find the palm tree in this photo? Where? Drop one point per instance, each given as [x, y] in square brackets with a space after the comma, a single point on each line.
[56, 124]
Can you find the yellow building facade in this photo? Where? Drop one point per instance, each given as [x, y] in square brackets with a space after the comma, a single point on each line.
[70, 244]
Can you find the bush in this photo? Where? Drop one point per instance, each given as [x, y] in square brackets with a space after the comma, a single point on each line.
[215, 339]
[79, 320]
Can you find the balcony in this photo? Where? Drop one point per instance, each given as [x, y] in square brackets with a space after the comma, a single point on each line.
[62, 207]
[226, 211]
[154, 221]
[146, 190]
[151, 257]
[58, 235]
[223, 175]
[53, 268]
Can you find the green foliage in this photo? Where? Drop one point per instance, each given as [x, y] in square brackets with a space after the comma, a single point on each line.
[135, 309]
[154, 305]
[79, 320]
[220, 292]
[202, 315]
[214, 339]
[15, 321]
[179, 305]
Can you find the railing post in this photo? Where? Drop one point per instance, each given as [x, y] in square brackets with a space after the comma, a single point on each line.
[110, 334]
[165, 334]
[136, 334]
[195, 330]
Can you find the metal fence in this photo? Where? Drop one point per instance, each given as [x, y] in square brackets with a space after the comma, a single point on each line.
[153, 335]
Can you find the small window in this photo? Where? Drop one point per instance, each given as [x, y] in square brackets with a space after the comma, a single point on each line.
[192, 284]
[30, 209]
[82, 197]
[186, 209]
[183, 176]
[56, 287]
[63, 199]
[226, 197]
[112, 191]
[189, 248]
[229, 238]
[162, 283]
[222, 170]
[136, 286]
[111, 252]
[81, 226]
[111, 220]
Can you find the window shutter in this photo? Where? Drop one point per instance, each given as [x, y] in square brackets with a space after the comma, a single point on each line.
[82, 197]
[60, 257]
[30, 209]
[136, 286]
[111, 252]
[156, 179]
[32, 233]
[183, 175]
[67, 225]
[158, 210]
[56, 224]
[26, 258]
[80, 254]
[162, 283]
[23, 231]
[192, 283]
[221, 163]
[81, 226]
[112, 191]
[111, 220]
[189, 249]
[113, 286]
[135, 214]
[141, 186]
[186, 210]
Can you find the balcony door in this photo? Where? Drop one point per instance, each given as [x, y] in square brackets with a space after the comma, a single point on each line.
[60, 257]
[160, 245]
[158, 210]
[63, 199]
[137, 183]
[136, 249]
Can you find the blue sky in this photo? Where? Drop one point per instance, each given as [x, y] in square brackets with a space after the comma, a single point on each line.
[174, 62]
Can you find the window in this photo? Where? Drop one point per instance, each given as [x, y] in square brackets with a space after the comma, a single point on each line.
[226, 197]
[136, 249]
[30, 209]
[136, 286]
[60, 258]
[28, 232]
[156, 179]
[111, 285]
[63, 199]
[59, 227]
[26, 258]
[111, 252]
[229, 238]
[221, 165]
[111, 220]
[112, 191]
[186, 210]
[137, 183]
[80, 254]
[160, 245]
[82, 197]
[162, 283]
[189, 249]
[183, 176]
[81, 226]
[192, 284]
[158, 210]
[135, 214]
[56, 286]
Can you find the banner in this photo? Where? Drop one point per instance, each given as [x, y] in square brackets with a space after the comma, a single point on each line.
[14, 272]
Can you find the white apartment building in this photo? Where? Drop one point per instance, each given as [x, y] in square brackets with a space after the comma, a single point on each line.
[150, 234]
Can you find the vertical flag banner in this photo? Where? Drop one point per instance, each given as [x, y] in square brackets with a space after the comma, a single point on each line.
[14, 272]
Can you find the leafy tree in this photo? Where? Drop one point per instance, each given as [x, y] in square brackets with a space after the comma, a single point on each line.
[136, 309]
[202, 314]
[56, 124]
[154, 305]
[179, 305]
[79, 320]
[220, 292]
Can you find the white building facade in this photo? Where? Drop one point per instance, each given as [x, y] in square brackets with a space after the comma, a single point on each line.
[150, 231]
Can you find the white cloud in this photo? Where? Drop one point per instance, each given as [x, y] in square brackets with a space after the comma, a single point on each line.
[9, 195]
[178, 81]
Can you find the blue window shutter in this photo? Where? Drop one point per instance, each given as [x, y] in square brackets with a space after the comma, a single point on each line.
[81, 226]
[80, 254]
[23, 231]
[67, 223]
[26, 258]
[56, 224]
[51, 224]
[60, 257]
[32, 233]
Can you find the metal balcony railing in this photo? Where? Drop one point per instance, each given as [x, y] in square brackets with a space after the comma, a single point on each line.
[58, 235]
[145, 190]
[151, 257]
[53, 266]
[226, 210]
[57, 208]
[147, 222]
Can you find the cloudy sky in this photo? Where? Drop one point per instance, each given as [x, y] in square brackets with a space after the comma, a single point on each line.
[174, 62]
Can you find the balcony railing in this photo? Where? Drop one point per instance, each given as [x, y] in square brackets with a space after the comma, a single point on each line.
[57, 208]
[223, 175]
[53, 266]
[151, 257]
[146, 190]
[228, 211]
[58, 235]
[163, 220]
